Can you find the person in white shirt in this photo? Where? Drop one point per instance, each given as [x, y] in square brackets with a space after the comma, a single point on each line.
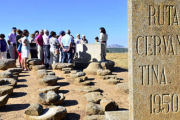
[83, 40]
[77, 40]
[66, 47]
[103, 39]
[46, 48]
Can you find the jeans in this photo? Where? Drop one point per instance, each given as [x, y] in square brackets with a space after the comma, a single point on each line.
[66, 55]
[47, 54]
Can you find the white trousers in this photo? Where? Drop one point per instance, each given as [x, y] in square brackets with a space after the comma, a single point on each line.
[3, 55]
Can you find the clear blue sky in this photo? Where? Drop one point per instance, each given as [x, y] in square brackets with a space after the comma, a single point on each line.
[80, 16]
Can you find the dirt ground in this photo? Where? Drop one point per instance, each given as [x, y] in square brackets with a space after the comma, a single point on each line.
[25, 93]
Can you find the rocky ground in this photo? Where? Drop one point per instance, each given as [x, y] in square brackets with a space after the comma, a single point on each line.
[26, 93]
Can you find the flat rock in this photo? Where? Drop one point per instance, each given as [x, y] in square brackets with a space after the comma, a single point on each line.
[4, 100]
[117, 115]
[94, 109]
[49, 88]
[94, 97]
[60, 66]
[74, 71]
[88, 89]
[92, 68]
[6, 90]
[78, 74]
[6, 75]
[50, 79]
[66, 72]
[38, 67]
[45, 99]
[34, 110]
[7, 63]
[41, 73]
[15, 77]
[106, 77]
[86, 83]
[66, 69]
[102, 72]
[51, 73]
[19, 70]
[8, 82]
[34, 61]
[112, 81]
[80, 79]
[95, 117]
[53, 113]
[108, 64]
[122, 87]
[108, 104]
[15, 73]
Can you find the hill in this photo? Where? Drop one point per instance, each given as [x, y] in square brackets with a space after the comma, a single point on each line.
[116, 50]
[115, 46]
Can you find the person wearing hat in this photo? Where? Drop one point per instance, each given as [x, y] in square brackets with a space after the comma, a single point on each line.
[66, 47]
[39, 42]
[61, 34]
[46, 47]
[12, 43]
[77, 40]
[83, 40]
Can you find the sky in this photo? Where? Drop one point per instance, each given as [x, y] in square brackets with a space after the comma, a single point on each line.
[80, 16]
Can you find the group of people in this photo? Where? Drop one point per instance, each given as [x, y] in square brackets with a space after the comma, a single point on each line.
[44, 45]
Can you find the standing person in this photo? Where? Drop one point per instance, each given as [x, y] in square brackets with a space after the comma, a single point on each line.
[33, 46]
[83, 40]
[36, 33]
[62, 33]
[103, 39]
[39, 42]
[66, 46]
[46, 47]
[77, 40]
[25, 49]
[73, 47]
[3, 47]
[19, 35]
[12, 43]
[54, 48]
[96, 40]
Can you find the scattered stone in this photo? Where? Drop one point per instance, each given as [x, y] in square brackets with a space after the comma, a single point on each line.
[41, 73]
[50, 79]
[102, 72]
[108, 64]
[6, 75]
[38, 67]
[19, 70]
[66, 69]
[78, 74]
[95, 117]
[122, 87]
[8, 82]
[74, 71]
[34, 110]
[92, 68]
[15, 77]
[94, 97]
[106, 77]
[15, 73]
[7, 63]
[108, 104]
[86, 83]
[4, 100]
[88, 89]
[117, 115]
[6, 90]
[34, 61]
[78, 80]
[94, 109]
[112, 81]
[53, 113]
[51, 73]
[60, 66]
[51, 98]
[66, 72]
[49, 88]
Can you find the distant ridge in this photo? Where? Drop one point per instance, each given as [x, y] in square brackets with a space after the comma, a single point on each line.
[115, 46]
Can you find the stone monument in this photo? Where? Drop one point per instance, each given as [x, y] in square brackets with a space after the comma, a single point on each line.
[154, 59]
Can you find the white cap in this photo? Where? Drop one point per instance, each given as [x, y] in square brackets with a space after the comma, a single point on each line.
[77, 34]
[83, 35]
[45, 31]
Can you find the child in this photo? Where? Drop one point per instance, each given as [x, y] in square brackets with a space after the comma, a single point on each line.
[3, 47]
[96, 40]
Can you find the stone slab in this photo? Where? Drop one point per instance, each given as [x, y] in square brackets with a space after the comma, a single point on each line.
[117, 115]
[154, 62]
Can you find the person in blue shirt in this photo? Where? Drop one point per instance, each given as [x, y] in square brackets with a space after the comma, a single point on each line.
[3, 47]
[66, 47]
